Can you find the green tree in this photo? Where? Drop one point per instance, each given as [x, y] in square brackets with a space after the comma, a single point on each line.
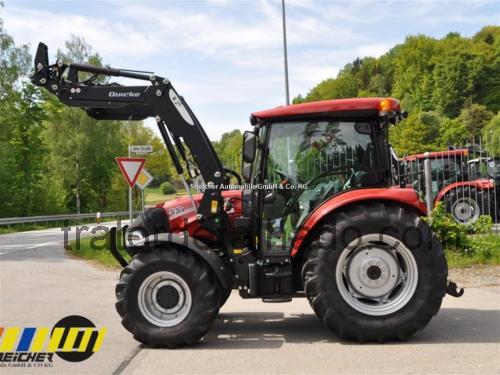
[229, 149]
[455, 77]
[413, 65]
[416, 134]
[82, 149]
[21, 148]
[26, 122]
[474, 118]
[453, 132]
[491, 136]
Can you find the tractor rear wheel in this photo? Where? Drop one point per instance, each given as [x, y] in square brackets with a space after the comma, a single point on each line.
[167, 297]
[466, 204]
[375, 272]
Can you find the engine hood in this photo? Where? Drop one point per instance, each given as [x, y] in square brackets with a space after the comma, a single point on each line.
[182, 215]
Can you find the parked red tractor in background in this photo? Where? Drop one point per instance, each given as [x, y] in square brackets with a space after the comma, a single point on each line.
[467, 187]
[316, 218]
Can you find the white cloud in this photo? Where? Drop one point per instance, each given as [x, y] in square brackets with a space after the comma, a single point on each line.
[226, 56]
[112, 38]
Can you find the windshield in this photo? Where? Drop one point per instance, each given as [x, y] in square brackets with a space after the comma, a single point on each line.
[307, 163]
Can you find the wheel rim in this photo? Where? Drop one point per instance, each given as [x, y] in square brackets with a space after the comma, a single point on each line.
[465, 210]
[164, 299]
[376, 274]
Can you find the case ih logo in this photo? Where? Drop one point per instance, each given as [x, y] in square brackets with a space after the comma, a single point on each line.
[129, 94]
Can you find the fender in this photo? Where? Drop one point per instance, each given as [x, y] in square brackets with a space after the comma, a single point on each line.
[405, 196]
[190, 244]
[480, 184]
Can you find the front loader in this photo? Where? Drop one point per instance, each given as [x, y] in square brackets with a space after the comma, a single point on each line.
[316, 216]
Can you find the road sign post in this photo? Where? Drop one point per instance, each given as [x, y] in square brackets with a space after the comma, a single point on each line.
[130, 168]
[141, 150]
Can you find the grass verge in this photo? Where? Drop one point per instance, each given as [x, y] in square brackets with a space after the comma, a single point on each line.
[96, 248]
[154, 196]
[485, 250]
[22, 228]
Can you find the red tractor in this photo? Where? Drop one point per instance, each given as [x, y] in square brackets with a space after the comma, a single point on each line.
[316, 216]
[456, 181]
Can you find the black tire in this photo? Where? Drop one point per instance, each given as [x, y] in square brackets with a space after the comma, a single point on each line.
[481, 199]
[151, 221]
[320, 281]
[205, 296]
[225, 294]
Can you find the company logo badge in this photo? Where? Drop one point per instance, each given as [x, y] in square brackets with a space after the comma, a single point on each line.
[128, 94]
[73, 338]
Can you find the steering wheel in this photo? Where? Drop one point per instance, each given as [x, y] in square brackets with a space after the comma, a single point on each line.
[347, 184]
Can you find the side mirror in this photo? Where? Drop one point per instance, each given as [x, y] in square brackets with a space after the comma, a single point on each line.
[246, 171]
[249, 146]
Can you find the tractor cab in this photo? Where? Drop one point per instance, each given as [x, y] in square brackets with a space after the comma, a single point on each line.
[309, 153]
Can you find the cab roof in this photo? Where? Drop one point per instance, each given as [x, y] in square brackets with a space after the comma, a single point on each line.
[331, 108]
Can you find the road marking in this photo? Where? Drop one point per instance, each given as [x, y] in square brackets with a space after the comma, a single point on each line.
[41, 245]
[2, 254]
[130, 357]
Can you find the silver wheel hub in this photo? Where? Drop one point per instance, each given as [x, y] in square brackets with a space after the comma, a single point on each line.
[164, 299]
[372, 272]
[465, 210]
[376, 274]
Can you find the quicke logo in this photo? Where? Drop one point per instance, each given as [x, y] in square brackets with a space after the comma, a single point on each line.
[127, 94]
[73, 338]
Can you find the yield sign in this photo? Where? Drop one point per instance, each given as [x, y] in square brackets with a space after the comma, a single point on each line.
[130, 167]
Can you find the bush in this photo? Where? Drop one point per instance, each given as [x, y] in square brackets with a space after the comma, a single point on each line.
[454, 235]
[465, 244]
[483, 225]
[451, 234]
[167, 188]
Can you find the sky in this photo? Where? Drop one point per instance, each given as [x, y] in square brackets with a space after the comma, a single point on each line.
[226, 56]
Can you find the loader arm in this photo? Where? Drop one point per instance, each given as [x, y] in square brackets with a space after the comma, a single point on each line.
[158, 99]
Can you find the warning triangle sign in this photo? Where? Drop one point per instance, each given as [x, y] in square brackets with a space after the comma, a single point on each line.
[131, 168]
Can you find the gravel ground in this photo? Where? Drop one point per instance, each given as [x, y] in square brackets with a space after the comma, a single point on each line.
[477, 276]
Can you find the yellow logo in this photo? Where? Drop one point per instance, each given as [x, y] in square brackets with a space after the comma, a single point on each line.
[74, 338]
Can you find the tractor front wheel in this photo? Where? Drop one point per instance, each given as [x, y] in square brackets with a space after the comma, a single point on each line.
[167, 297]
[375, 272]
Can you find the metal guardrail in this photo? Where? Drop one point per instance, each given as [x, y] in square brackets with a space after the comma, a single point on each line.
[47, 218]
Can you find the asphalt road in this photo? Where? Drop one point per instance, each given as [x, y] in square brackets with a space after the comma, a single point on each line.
[40, 284]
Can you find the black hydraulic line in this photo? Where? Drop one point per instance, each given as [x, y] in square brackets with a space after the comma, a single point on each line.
[107, 71]
[170, 147]
[182, 152]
